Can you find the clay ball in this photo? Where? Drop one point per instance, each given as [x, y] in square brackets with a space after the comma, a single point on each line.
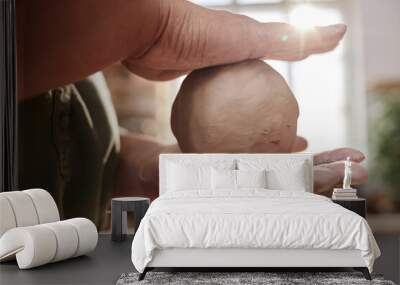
[244, 107]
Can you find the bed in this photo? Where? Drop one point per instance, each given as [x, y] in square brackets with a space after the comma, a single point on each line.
[247, 211]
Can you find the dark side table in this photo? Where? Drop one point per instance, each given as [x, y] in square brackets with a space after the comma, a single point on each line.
[119, 208]
[358, 206]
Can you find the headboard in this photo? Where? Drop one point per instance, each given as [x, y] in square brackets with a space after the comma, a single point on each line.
[210, 157]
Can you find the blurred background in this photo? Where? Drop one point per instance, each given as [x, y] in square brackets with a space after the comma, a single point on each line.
[348, 97]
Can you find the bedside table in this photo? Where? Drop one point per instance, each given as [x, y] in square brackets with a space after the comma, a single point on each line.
[119, 208]
[358, 206]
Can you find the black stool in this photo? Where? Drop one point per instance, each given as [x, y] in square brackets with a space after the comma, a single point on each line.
[119, 208]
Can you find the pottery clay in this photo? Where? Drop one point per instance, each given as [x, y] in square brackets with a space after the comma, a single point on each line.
[237, 108]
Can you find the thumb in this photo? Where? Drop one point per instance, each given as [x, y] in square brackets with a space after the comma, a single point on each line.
[193, 37]
[229, 38]
[282, 41]
[299, 144]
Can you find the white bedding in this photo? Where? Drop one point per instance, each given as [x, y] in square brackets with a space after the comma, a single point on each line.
[250, 218]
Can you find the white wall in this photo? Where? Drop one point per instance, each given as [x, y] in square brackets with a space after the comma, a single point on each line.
[381, 39]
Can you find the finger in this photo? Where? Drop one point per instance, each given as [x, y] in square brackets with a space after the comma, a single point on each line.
[299, 144]
[280, 41]
[338, 154]
[288, 43]
[300, 54]
[327, 176]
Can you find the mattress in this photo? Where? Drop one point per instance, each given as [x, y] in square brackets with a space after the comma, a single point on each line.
[250, 219]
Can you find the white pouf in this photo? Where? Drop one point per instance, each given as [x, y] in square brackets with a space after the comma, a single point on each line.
[31, 231]
[41, 244]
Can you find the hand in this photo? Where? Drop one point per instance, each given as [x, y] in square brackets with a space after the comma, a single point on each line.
[156, 39]
[137, 172]
[138, 166]
[193, 37]
[329, 168]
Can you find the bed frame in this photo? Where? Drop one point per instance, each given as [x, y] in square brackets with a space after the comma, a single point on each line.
[248, 259]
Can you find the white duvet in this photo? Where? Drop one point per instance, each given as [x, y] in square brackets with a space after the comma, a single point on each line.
[250, 219]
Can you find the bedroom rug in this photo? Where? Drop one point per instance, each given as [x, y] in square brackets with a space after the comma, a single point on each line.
[268, 278]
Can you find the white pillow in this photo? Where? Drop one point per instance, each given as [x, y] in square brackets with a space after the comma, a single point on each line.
[293, 179]
[227, 179]
[187, 177]
[287, 174]
[223, 179]
[251, 178]
[193, 174]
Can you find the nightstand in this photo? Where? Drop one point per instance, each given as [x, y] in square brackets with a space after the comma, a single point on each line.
[358, 206]
[119, 208]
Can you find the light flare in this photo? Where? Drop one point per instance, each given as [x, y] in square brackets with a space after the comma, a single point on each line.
[304, 17]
